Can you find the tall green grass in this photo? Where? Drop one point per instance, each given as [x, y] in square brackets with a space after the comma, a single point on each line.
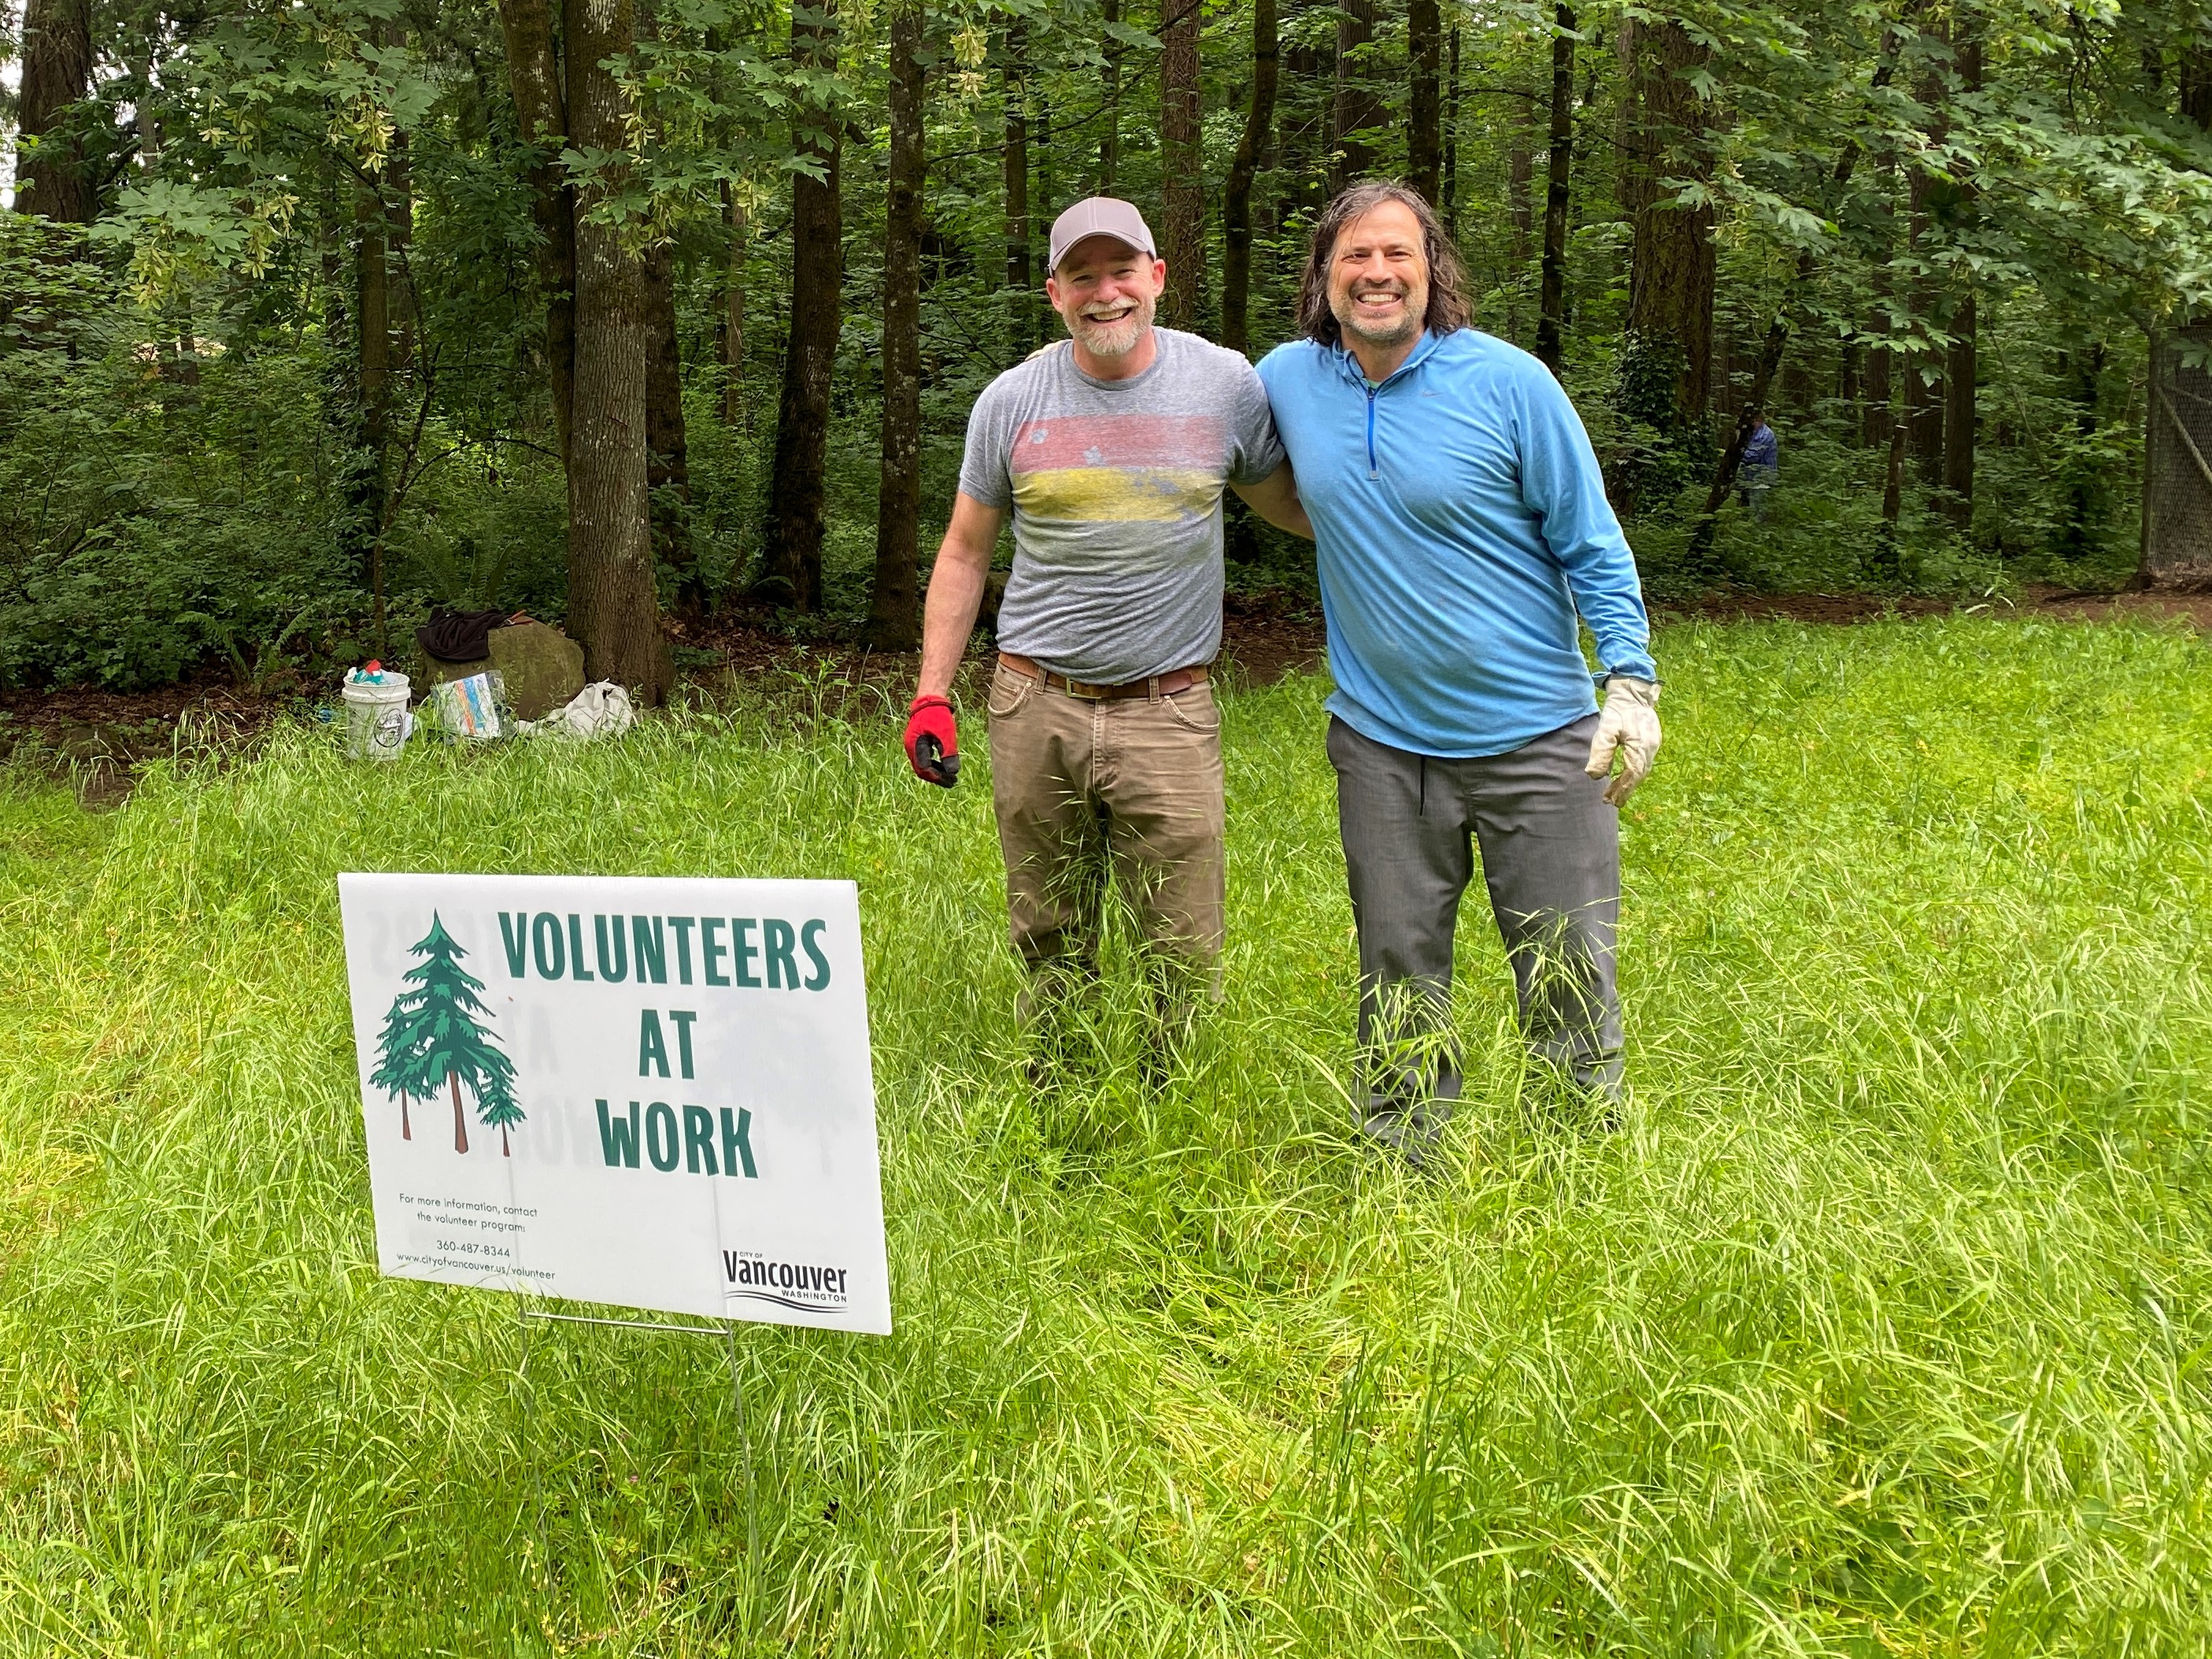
[1880, 1327]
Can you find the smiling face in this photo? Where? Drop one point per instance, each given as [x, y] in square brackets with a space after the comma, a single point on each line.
[1107, 291]
[1378, 277]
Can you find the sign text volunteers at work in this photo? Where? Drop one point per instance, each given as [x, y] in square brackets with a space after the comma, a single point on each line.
[663, 1139]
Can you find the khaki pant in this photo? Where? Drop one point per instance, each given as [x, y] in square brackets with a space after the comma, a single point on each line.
[1083, 785]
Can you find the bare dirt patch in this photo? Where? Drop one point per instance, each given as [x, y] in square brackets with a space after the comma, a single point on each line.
[2195, 609]
[98, 738]
[1264, 637]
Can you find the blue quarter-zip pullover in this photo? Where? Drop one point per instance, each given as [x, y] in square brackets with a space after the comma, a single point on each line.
[1461, 523]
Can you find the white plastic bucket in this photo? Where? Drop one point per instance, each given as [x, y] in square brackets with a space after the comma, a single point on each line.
[377, 720]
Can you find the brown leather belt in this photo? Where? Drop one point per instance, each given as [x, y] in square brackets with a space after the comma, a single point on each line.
[1159, 686]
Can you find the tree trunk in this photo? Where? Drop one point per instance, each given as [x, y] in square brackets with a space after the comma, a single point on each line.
[1043, 191]
[1520, 215]
[460, 1120]
[612, 607]
[737, 410]
[1923, 381]
[1666, 358]
[792, 560]
[1236, 193]
[1014, 178]
[1355, 109]
[1892, 488]
[667, 464]
[1299, 127]
[1888, 562]
[2196, 82]
[1924, 369]
[1960, 368]
[372, 341]
[1110, 141]
[400, 308]
[1959, 417]
[1424, 139]
[893, 622]
[542, 116]
[2086, 486]
[1877, 412]
[1451, 141]
[406, 1128]
[1183, 171]
[1551, 315]
[57, 48]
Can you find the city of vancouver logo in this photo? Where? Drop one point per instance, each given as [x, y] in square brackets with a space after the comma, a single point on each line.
[438, 1039]
[805, 1287]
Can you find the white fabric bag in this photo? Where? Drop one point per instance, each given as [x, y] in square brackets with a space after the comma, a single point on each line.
[599, 710]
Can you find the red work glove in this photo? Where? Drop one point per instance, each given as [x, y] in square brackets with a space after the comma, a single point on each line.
[933, 746]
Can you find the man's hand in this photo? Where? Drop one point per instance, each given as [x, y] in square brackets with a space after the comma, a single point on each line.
[1629, 723]
[932, 745]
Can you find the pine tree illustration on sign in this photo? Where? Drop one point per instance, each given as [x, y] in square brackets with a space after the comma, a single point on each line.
[432, 1040]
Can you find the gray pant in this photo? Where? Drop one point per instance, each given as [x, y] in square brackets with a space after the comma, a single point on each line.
[1551, 858]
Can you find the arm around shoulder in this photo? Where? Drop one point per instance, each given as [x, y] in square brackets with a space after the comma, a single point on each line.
[1275, 498]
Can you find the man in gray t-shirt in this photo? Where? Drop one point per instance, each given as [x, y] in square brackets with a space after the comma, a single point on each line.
[1110, 450]
[1116, 487]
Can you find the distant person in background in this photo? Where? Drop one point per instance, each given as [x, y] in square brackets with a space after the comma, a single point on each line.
[1761, 469]
[1110, 451]
[1463, 532]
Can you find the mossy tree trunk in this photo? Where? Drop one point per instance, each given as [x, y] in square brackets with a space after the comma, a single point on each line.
[1183, 164]
[56, 52]
[612, 606]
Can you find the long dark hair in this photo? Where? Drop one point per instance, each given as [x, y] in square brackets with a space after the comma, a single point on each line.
[1447, 306]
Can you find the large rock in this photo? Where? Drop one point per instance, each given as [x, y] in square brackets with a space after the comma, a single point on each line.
[543, 667]
[439, 672]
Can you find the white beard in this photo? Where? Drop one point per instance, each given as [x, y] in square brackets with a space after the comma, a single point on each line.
[1114, 339]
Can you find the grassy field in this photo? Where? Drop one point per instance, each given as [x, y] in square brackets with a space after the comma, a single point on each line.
[1880, 1327]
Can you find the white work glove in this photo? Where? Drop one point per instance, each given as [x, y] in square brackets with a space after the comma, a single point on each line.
[1629, 722]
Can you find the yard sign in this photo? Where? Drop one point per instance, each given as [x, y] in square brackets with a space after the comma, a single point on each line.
[650, 1092]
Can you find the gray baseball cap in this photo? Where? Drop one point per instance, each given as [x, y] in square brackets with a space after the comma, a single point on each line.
[1099, 216]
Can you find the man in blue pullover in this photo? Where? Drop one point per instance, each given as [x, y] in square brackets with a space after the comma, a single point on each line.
[1463, 529]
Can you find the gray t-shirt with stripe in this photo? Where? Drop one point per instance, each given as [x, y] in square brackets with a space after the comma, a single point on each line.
[1116, 488]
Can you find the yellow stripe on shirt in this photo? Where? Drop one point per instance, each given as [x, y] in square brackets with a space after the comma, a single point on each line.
[1081, 494]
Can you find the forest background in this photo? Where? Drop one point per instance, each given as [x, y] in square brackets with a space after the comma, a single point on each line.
[315, 316]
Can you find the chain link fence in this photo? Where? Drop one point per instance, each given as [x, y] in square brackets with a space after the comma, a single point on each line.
[2176, 509]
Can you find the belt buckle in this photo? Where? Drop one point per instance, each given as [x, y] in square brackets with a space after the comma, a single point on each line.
[1085, 691]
